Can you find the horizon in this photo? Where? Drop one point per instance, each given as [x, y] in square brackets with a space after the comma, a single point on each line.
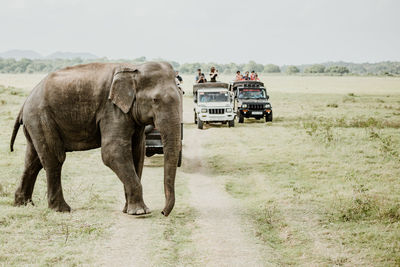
[283, 33]
[46, 57]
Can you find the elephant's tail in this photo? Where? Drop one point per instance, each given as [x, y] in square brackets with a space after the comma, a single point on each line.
[17, 124]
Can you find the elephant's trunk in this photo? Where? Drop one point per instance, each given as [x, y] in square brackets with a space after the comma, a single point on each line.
[171, 138]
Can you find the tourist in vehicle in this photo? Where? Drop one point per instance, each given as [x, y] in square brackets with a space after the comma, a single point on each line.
[179, 81]
[198, 76]
[246, 77]
[202, 79]
[213, 74]
[238, 76]
[252, 75]
[178, 77]
[256, 77]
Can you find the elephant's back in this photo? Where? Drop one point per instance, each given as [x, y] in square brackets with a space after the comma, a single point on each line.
[71, 98]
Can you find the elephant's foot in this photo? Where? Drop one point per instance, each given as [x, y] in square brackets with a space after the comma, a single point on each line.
[22, 199]
[137, 209]
[60, 206]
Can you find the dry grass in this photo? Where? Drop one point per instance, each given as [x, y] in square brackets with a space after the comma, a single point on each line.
[319, 184]
[35, 235]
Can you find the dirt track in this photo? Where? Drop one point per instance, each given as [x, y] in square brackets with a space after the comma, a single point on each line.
[219, 236]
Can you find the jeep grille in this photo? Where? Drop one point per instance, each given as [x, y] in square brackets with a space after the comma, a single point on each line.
[256, 106]
[216, 111]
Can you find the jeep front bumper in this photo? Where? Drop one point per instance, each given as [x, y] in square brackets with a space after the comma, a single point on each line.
[254, 113]
[216, 117]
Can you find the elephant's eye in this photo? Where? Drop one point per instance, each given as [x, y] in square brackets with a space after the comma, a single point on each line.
[156, 100]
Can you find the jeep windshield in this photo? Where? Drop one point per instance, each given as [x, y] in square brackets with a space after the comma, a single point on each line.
[205, 97]
[255, 93]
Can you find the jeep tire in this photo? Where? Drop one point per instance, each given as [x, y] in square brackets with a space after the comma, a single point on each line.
[195, 118]
[199, 124]
[231, 123]
[240, 118]
[268, 117]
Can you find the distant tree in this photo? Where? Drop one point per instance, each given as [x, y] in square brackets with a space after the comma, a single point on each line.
[252, 65]
[292, 69]
[231, 68]
[174, 64]
[271, 68]
[337, 70]
[189, 68]
[316, 68]
[140, 59]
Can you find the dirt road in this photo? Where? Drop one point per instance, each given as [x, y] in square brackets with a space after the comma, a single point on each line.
[219, 237]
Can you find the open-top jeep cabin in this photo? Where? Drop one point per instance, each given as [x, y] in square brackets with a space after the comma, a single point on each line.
[251, 100]
[213, 104]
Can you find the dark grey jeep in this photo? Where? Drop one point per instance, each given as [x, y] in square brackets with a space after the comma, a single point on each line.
[251, 100]
[154, 144]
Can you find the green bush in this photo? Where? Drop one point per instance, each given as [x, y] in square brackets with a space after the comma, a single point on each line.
[271, 68]
[316, 68]
[292, 70]
[337, 70]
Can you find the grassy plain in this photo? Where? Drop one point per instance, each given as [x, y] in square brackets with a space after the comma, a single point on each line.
[321, 182]
[319, 186]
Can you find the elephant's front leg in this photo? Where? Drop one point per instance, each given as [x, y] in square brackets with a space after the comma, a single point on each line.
[117, 155]
[138, 152]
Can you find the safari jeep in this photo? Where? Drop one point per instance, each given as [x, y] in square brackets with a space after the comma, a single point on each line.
[251, 100]
[213, 104]
[154, 144]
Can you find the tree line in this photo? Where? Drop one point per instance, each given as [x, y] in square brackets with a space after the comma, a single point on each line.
[388, 68]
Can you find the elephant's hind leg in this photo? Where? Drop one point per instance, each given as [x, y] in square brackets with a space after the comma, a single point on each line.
[23, 195]
[49, 147]
[55, 195]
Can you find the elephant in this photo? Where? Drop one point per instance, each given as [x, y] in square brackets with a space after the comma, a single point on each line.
[103, 105]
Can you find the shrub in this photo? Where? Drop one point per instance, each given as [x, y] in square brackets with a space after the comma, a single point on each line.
[337, 70]
[292, 70]
[316, 68]
[271, 68]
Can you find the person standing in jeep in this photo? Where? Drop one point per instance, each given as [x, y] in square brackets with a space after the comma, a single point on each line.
[213, 74]
[200, 77]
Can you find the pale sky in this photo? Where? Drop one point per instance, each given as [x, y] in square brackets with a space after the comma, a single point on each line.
[280, 32]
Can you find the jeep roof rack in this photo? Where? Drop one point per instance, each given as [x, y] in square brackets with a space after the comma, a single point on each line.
[248, 84]
[209, 85]
[245, 84]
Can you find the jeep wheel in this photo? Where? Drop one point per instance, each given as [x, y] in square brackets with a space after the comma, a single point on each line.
[231, 123]
[199, 124]
[240, 118]
[268, 117]
[195, 118]
[180, 159]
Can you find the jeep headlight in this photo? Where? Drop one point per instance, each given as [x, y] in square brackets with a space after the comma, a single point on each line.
[267, 105]
[203, 110]
[228, 110]
[244, 105]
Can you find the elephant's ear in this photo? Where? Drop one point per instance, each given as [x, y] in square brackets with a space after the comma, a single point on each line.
[123, 88]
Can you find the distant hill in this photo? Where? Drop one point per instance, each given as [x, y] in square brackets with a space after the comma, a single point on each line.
[71, 55]
[18, 54]
[30, 54]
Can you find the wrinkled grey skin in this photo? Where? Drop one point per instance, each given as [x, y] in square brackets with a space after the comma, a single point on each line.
[103, 105]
